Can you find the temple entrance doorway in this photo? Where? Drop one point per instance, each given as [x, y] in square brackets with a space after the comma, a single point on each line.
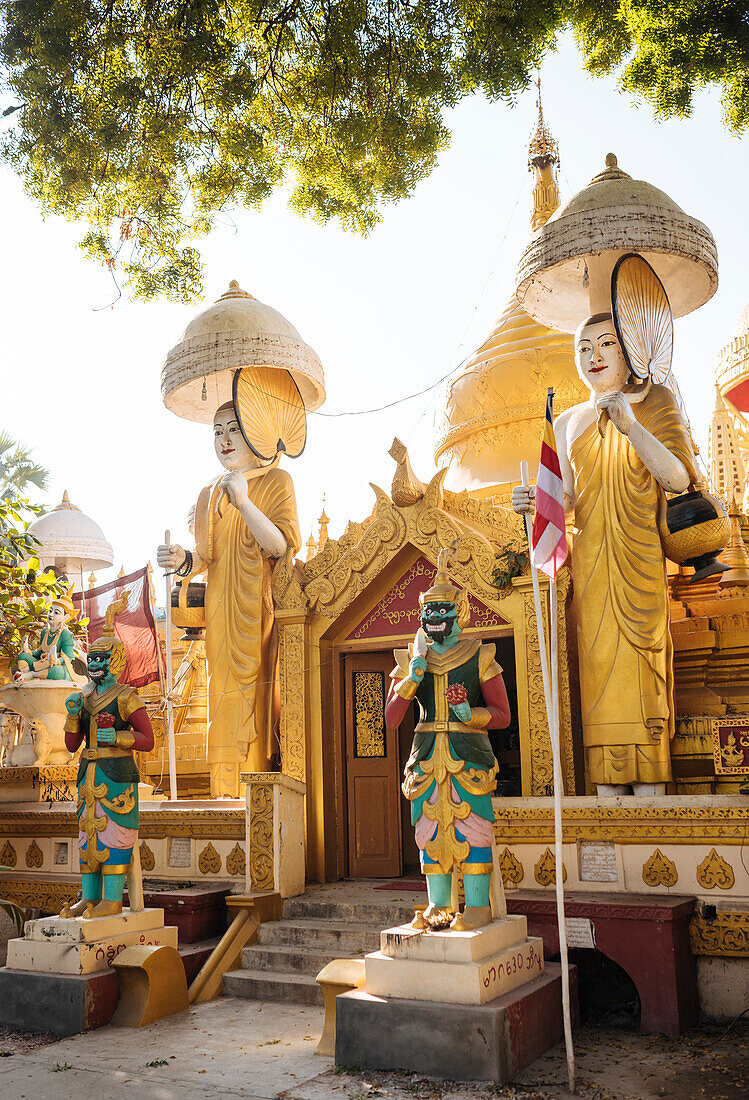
[380, 838]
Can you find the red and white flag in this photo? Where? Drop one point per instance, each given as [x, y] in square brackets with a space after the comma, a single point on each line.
[135, 626]
[549, 537]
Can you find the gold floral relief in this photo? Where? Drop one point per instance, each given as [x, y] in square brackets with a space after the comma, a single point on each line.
[8, 855]
[511, 868]
[235, 861]
[147, 858]
[545, 871]
[261, 837]
[714, 872]
[34, 857]
[369, 713]
[727, 935]
[659, 870]
[209, 861]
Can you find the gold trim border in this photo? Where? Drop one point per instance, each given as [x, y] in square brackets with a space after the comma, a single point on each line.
[154, 824]
[667, 825]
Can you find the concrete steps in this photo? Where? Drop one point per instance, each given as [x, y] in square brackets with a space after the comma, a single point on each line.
[289, 954]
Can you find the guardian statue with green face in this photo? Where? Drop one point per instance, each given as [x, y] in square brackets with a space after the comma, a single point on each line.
[451, 774]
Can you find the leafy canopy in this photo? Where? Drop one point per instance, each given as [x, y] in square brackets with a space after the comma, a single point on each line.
[18, 471]
[148, 118]
[25, 592]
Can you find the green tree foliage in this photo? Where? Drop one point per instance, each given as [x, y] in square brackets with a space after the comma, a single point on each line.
[18, 471]
[148, 118]
[25, 592]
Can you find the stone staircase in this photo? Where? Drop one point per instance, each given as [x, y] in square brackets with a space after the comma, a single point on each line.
[317, 927]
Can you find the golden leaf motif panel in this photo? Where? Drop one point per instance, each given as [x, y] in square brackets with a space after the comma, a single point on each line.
[369, 714]
[511, 868]
[209, 861]
[235, 861]
[8, 855]
[545, 871]
[659, 870]
[147, 858]
[34, 856]
[715, 872]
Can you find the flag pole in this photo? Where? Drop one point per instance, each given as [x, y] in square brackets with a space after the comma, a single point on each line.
[551, 696]
[169, 707]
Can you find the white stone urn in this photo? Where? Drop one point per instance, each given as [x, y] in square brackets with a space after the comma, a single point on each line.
[43, 702]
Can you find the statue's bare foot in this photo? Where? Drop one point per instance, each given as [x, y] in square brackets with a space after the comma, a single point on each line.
[104, 908]
[418, 922]
[76, 910]
[472, 917]
[437, 917]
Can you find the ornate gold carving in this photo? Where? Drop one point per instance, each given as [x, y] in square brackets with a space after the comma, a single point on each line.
[147, 858]
[49, 897]
[34, 855]
[659, 870]
[672, 824]
[261, 836]
[542, 763]
[226, 824]
[292, 682]
[727, 935]
[545, 871]
[511, 868]
[209, 861]
[235, 861]
[715, 871]
[8, 856]
[369, 714]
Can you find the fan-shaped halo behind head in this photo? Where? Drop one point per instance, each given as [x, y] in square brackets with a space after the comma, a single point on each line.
[642, 318]
[270, 411]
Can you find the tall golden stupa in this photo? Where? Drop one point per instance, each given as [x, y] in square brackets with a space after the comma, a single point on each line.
[494, 408]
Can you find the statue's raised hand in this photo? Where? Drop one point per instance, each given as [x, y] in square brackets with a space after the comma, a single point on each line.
[416, 669]
[234, 485]
[74, 704]
[619, 410]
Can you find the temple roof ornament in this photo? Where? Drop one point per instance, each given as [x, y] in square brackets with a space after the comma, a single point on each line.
[236, 331]
[565, 272]
[727, 474]
[70, 540]
[494, 408]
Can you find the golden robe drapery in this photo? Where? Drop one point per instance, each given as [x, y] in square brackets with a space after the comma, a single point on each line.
[621, 594]
[240, 641]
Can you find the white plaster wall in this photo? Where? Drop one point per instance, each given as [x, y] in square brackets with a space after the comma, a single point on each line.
[722, 987]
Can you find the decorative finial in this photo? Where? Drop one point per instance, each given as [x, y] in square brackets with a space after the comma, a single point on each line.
[65, 505]
[543, 159]
[91, 580]
[234, 291]
[611, 161]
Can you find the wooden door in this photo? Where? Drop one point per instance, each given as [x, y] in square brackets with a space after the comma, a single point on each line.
[372, 769]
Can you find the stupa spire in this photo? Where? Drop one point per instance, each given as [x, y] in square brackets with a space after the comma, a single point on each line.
[543, 159]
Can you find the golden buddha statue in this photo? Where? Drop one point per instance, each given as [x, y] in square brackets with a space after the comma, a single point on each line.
[244, 519]
[619, 452]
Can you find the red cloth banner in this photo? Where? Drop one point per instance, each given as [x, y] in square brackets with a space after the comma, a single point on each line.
[135, 626]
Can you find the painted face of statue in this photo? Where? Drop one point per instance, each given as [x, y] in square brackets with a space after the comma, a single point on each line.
[231, 449]
[55, 618]
[98, 665]
[439, 622]
[599, 356]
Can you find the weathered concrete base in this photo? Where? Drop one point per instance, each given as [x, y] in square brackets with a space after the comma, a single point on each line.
[490, 1042]
[63, 1004]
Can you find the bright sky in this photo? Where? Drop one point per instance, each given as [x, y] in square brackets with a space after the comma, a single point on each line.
[388, 314]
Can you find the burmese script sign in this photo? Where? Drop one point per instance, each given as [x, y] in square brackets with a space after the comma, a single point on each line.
[731, 746]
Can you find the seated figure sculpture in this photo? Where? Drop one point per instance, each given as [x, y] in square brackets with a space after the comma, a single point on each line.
[110, 719]
[451, 773]
[244, 519]
[54, 656]
[619, 453]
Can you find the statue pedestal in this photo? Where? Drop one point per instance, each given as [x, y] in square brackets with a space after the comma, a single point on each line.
[39, 783]
[54, 945]
[475, 1005]
[458, 967]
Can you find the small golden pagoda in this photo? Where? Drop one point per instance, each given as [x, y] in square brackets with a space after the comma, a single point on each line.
[494, 408]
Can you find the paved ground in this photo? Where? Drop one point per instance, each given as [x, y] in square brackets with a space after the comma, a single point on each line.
[261, 1051]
